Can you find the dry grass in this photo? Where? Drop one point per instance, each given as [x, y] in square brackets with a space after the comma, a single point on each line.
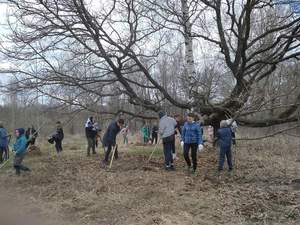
[264, 188]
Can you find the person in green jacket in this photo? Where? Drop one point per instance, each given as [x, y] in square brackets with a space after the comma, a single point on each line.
[19, 149]
[145, 134]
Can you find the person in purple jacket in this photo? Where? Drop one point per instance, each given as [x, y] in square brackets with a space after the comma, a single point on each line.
[191, 137]
[224, 138]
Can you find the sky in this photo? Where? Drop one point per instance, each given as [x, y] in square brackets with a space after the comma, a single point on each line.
[3, 31]
[295, 5]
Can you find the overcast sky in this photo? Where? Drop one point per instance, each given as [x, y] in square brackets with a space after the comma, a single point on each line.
[3, 30]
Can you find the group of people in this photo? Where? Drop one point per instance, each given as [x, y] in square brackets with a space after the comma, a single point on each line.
[149, 134]
[190, 134]
[24, 140]
[19, 147]
[93, 134]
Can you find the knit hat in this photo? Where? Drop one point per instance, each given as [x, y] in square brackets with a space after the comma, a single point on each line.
[161, 114]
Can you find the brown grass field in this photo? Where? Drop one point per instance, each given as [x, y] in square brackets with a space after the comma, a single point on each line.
[72, 189]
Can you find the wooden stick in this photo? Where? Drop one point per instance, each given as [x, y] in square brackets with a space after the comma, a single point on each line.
[155, 147]
[6, 162]
[113, 155]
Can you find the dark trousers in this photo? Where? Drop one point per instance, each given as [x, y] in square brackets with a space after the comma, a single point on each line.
[173, 146]
[186, 150]
[108, 150]
[225, 151]
[233, 138]
[18, 165]
[3, 154]
[168, 154]
[154, 138]
[91, 145]
[58, 146]
[145, 139]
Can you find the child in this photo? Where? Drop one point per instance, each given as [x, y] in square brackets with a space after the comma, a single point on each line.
[224, 137]
[191, 139]
[154, 134]
[124, 133]
[19, 149]
[31, 135]
[3, 143]
[210, 134]
[90, 132]
[58, 137]
[144, 131]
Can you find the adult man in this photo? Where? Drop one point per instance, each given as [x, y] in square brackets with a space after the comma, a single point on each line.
[109, 138]
[167, 132]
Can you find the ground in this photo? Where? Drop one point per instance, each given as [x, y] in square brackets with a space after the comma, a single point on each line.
[73, 189]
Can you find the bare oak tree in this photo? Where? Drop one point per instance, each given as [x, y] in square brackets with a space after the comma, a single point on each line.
[99, 51]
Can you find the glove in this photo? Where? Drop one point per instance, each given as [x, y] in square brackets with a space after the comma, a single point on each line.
[182, 144]
[200, 147]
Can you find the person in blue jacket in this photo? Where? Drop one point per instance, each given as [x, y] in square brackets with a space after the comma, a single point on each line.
[109, 138]
[191, 139]
[19, 149]
[224, 138]
[3, 143]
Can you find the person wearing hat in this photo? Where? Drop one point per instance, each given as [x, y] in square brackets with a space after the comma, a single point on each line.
[167, 132]
[19, 149]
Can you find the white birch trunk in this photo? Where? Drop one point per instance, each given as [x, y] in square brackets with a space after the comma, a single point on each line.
[188, 41]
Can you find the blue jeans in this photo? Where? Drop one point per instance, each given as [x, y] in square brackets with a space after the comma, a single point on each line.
[168, 146]
[225, 151]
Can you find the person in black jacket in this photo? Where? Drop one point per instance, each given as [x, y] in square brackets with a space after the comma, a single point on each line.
[178, 128]
[31, 135]
[90, 132]
[109, 138]
[154, 134]
[58, 137]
